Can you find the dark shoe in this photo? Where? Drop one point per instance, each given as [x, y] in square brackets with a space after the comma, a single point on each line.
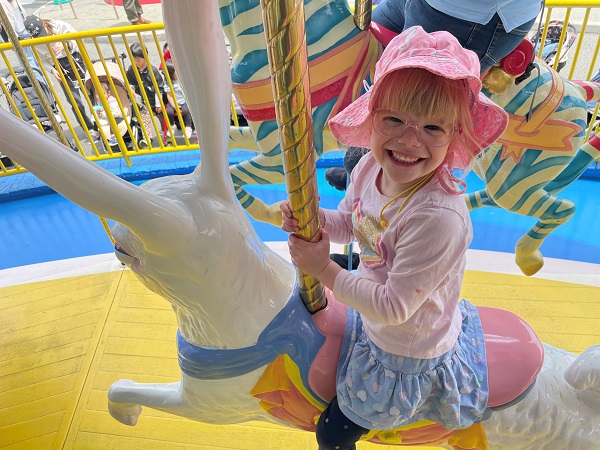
[336, 177]
[342, 260]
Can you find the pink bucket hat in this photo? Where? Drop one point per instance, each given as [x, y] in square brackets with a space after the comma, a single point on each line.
[439, 53]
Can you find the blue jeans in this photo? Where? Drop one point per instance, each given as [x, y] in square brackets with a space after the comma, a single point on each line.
[490, 42]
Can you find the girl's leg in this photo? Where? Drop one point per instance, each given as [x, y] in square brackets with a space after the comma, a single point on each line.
[335, 431]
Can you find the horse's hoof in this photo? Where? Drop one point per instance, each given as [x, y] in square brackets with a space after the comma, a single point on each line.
[273, 215]
[530, 264]
[120, 405]
[126, 413]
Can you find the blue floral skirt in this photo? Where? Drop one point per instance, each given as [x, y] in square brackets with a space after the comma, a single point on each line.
[380, 391]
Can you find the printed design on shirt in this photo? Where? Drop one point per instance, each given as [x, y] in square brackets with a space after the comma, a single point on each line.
[368, 231]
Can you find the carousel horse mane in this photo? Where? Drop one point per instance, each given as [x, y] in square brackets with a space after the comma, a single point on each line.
[341, 57]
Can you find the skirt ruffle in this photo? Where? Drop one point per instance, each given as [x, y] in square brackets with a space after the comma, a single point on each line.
[379, 390]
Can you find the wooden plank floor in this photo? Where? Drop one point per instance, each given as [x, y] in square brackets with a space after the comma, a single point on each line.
[63, 342]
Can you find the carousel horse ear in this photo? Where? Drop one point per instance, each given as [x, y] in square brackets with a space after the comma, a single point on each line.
[516, 62]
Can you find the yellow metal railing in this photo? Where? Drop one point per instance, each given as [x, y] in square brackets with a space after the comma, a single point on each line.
[563, 10]
[100, 46]
[159, 135]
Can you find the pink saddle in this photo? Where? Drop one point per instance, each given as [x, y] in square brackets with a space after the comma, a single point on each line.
[514, 352]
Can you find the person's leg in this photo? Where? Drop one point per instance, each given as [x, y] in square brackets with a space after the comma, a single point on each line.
[501, 43]
[31, 59]
[187, 120]
[490, 42]
[390, 14]
[353, 156]
[172, 115]
[335, 431]
[186, 115]
[140, 11]
[77, 104]
[131, 10]
[138, 8]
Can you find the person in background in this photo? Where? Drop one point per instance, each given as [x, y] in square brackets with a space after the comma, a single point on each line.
[68, 78]
[114, 109]
[490, 28]
[146, 71]
[176, 99]
[414, 351]
[148, 75]
[16, 16]
[134, 12]
[166, 55]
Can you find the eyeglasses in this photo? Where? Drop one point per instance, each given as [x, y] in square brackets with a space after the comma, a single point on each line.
[393, 124]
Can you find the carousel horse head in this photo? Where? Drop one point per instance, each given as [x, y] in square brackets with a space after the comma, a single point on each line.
[541, 152]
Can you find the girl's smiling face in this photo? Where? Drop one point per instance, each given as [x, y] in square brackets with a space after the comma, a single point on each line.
[417, 125]
[418, 148]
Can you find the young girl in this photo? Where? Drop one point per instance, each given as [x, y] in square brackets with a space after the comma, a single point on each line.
[114, 109]
[411, 350]
[176, 99]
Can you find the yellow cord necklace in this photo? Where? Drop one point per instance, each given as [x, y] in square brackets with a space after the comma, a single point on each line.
[411, 190]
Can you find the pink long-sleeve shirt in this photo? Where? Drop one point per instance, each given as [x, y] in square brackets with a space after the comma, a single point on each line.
[408, 283]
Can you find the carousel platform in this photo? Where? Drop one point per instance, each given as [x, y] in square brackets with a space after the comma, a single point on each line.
[73, 321]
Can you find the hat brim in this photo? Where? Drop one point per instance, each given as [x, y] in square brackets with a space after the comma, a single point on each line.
[353, 126]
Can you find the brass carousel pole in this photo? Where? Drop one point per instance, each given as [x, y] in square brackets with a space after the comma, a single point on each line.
[362, 13]
[286, 49]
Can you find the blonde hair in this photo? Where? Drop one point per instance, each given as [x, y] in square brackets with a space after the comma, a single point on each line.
[424, 94]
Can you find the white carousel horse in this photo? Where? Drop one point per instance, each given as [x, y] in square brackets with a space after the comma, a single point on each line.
[247, 349]
[523, 172]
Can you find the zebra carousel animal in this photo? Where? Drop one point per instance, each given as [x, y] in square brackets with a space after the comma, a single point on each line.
[541, 153]
[247, 347]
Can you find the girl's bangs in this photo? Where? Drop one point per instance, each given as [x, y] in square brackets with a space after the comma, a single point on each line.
[420, 92]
